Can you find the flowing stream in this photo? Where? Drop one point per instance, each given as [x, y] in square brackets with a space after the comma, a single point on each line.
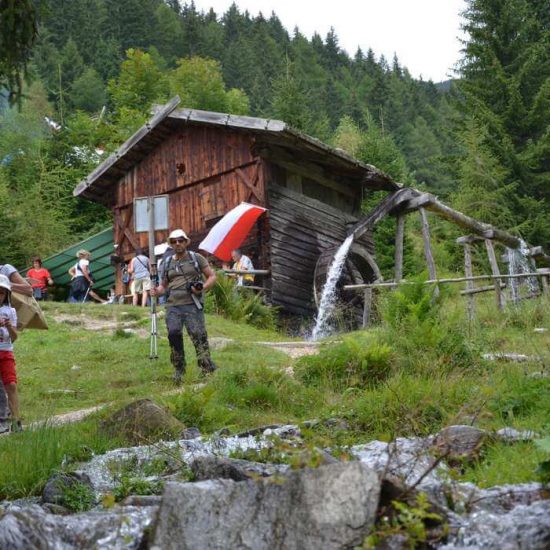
[328, 298]
[519, 262]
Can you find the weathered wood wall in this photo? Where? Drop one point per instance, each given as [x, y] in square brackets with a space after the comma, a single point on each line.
[300, 229]
[205, 172]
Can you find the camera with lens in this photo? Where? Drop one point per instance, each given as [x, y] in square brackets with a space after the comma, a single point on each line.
[197, 285]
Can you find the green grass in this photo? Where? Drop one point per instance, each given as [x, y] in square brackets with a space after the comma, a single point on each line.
[419, 371]
[29, 458]
[67, 368]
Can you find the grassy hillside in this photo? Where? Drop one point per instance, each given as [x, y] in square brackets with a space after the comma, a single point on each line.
[419, 370]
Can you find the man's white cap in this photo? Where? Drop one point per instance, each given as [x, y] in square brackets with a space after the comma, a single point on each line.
[178, 234]
[5, 283]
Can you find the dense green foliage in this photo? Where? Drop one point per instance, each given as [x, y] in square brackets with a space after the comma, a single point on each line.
[482, 144]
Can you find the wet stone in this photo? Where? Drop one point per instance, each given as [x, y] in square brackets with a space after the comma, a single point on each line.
[512, 435]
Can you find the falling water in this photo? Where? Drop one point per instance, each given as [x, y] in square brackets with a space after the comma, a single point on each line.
[328, 298]
[520, 262]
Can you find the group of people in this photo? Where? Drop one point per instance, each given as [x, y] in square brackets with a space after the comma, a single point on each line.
[184, 277]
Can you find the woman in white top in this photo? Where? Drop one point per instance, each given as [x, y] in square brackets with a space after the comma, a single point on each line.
[81, 283]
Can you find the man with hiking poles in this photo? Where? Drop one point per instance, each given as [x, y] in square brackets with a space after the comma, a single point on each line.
[185, 276]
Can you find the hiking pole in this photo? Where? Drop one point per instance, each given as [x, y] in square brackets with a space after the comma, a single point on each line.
[87, 292]
[153, 343]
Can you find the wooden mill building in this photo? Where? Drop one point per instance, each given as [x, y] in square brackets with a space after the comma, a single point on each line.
[207, 163]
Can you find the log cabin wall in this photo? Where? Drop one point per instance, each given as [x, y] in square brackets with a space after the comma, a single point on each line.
[204, 171]
[301, 226]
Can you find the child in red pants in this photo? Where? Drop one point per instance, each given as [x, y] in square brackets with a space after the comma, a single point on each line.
[8, 335]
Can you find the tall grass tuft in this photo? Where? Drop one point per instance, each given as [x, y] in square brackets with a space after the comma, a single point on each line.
[239, 305]
[356, 361]
[29, 458]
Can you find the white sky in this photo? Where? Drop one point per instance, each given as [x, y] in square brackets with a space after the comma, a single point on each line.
[423, 33]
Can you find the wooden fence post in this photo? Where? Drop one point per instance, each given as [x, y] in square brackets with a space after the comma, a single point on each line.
[399, 236]
[428, 248]
[367, 306]
[501, 298]
[469, 284]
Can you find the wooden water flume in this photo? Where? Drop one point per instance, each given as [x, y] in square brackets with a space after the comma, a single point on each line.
[407, 200]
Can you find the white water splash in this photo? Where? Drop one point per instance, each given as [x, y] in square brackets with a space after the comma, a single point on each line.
[328, 298]
[520, 262]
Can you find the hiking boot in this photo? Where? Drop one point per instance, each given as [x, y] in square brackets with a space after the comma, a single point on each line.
[4, 425]
[178, 375]
[208, 367]
[16, 426]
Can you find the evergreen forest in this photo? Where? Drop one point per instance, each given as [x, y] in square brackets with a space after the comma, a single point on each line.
[480, 141]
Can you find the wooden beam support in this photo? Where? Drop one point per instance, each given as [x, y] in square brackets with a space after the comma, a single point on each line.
[468, 272]
[501, 299]
[367, 306]
[428, 248]
[399, 238]
[479, 289]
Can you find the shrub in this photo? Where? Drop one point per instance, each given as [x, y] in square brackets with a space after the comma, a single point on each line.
[357, 360]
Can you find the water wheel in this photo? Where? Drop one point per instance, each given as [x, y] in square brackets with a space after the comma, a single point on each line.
[359, 268]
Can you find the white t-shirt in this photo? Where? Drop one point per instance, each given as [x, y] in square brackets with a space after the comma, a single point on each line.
[7, 312]
[78, 268]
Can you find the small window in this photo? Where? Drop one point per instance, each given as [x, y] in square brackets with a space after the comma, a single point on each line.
[141, 216]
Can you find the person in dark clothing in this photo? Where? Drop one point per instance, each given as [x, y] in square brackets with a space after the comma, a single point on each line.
[186, 275]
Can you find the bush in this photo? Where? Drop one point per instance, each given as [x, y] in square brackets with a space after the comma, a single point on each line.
[239, 305]
[357, 360]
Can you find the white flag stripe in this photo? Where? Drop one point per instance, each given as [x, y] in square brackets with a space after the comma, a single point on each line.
[219, 231]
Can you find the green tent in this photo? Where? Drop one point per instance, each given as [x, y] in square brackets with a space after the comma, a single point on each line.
[100, 246]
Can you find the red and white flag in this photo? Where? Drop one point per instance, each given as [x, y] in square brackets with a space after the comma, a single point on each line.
[229, 233]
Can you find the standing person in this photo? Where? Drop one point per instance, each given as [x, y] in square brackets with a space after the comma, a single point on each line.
[186, 275]
[40, 279]
[140, 271]
[8, 335]
[82, 281]
[242, 263]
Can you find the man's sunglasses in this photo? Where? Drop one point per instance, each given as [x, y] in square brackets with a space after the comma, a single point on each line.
[179, 241]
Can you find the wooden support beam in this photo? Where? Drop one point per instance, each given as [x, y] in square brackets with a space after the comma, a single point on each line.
[480, 289]
[399, 237]
[501, 299]
[367, 306]
[545, 272]
[428, 247]
[468, 272]
[468, 239]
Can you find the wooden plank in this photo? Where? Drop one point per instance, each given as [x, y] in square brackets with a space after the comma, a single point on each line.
[468, 272]
[367, 306]
[480, 289]
[500, 298]
[399, 238]
[384, 207]
[276, 191]
[428, 248]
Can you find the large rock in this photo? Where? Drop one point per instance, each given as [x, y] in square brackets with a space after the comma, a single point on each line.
[24, 527]
[142, 422]
[331, 507]
[457, 443]
[56, 488]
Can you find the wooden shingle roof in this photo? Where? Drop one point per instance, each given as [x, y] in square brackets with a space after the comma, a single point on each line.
[266, 131]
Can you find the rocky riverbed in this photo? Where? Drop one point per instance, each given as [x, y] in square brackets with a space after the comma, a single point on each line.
[194, 493]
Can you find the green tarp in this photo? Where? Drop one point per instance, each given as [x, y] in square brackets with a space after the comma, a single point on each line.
[100, 247]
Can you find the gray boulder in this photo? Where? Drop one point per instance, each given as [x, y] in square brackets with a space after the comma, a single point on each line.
[331, 507]
[142, 421]
[56, 488]
[460, 442]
